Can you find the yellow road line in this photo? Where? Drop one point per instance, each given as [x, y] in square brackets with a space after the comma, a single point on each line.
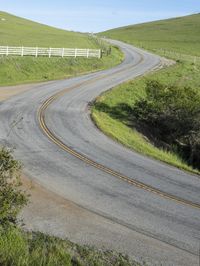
[58, 142]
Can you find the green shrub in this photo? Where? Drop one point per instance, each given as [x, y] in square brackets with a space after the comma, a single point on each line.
[171, 114]
[12, 199]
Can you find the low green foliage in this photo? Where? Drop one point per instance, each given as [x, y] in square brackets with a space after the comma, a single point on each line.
[17, 70]
[171, 115]
[12, 199]
[131, 138]
[36, 249]
[13, 247]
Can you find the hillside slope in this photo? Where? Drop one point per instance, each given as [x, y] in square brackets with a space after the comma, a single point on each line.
[15, 31]
[18, 31]
[178, 34]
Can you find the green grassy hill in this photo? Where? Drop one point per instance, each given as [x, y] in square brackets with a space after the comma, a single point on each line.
[178, 34]
[18, 31]
[178, 39]
[15, 31]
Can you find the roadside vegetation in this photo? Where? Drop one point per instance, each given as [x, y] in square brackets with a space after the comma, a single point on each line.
[17, 70]
[158, 115]
[17, 31]
[21, 248]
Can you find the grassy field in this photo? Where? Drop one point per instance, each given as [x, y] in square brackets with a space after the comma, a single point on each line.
[107, 112]
[180, 35]
[15, 31]
[25, 249]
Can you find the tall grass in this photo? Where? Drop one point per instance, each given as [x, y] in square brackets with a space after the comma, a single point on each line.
[20, 248]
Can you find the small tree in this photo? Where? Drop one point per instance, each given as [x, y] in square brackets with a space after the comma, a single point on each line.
[12, 198]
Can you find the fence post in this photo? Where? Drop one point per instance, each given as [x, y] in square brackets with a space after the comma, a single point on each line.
[22, 53]
[36, 52]
[75, 52]
[63, 51]
[7, 51]
[88, 53]
[100, 54]
[49, 52]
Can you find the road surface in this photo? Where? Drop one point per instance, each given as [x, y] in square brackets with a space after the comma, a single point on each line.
[52, 133]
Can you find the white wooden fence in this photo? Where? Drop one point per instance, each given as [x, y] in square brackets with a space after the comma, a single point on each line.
[59, 52]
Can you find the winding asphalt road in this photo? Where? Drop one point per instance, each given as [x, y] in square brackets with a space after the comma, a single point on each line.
[53, 135]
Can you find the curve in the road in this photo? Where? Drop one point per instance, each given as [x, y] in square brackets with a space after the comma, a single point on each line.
[57, 141]
[68, 119]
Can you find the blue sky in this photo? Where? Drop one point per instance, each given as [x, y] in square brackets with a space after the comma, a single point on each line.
[95, 16]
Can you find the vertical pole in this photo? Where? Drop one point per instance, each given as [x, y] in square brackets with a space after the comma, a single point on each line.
[7, 51]
[63, 51]
[75, 53]
[88, 53]
[49, 52]
[100, 54]
[22, 53]
[36, 52]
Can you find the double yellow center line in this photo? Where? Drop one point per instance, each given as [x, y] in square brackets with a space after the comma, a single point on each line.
[63, 146]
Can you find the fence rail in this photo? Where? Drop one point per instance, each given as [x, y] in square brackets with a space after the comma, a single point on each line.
[50, 52]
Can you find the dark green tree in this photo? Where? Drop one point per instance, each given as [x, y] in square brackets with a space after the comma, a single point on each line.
[172, 115]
